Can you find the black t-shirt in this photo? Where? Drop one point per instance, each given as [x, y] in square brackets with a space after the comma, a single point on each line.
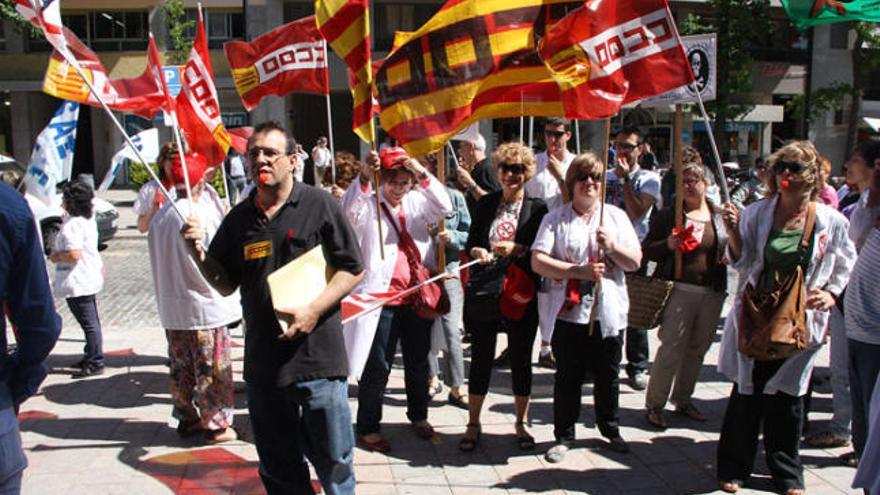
[485, 177]
[250, 247]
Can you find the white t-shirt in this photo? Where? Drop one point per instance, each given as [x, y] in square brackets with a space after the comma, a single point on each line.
[84, 277]
[643, 181]
[320, 158]
[565, 236]
[543, 185]
[185, 299]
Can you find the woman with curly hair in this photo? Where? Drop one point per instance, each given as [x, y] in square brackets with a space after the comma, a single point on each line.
[503, 228]
[769, 245]
[79, 271]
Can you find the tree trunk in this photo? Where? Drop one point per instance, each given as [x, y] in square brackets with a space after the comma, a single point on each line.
[855, 106]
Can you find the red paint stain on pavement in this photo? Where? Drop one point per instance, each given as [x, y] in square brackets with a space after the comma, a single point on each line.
[207, 472]
[35, 415]
[120, 352]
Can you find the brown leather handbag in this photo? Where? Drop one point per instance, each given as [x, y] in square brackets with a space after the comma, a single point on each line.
[773, 323]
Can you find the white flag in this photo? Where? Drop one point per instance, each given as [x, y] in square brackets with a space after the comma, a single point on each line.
[146, 142]
[52, 158]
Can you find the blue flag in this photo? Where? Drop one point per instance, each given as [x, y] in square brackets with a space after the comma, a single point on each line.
[52, 158]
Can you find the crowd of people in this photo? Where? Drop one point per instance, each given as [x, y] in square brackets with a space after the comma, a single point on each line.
[555, 237]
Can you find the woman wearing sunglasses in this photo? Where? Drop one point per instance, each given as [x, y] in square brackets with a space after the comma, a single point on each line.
[503, 228]
[692, 312]
[766, 248]
[575, 248]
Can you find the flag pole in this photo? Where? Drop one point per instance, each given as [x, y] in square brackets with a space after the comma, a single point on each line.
[176, 131]
[452, 153]
[522, 110]
[73, 62]
[329, 118]
[376, 186]
[441, 225]
[577, 136]
[531, 130]
[725, 194]
[679, 181]
[598, 285]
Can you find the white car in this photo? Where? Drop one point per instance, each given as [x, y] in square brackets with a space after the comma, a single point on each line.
[50, 216]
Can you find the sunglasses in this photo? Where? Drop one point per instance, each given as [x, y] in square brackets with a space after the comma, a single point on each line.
[596, 176]
[626, 146]
[793, 167]
[556, 134]
[513, 168]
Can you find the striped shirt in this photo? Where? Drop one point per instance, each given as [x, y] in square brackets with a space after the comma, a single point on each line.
[862, 303]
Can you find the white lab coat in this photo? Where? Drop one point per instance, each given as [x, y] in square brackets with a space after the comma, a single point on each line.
[422, 206]
[832, 260]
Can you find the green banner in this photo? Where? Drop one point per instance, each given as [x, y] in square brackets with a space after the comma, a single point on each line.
[806, 13]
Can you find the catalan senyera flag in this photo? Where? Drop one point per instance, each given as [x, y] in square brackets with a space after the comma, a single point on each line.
[198, 108]
[475, 59]
[141, 95]
[612, 52]
[345, 24]
[287, 59]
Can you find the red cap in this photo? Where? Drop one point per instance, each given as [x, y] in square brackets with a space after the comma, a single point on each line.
[393, 157]
[196, 167]
[519, 289]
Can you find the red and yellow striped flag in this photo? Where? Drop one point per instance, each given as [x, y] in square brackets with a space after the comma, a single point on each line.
[475, 59]
[345, 24]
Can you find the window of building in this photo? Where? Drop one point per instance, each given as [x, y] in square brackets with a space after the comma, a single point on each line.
[298, 10]
[393, 17]
[220, 26]
[103, 31]
[839, 36]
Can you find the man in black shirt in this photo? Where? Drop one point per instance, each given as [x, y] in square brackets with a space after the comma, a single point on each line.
[296, 376]
[475, 173]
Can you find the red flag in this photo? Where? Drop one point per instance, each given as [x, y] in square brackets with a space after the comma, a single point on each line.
[353, 306]
[287, 59]
[240, 136]
[198, 108]
[141, 95]
[154, 65]
[46, 15]
[609, 53]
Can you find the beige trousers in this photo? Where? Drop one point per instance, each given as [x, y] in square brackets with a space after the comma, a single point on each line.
[687, 330]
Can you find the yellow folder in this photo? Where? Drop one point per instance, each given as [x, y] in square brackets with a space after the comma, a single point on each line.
[299, 282]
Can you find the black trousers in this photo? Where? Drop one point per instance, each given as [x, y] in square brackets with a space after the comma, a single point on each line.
[781, 416]
[520, 339]
[576, 351]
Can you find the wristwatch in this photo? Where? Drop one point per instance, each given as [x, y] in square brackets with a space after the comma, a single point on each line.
[471, 187]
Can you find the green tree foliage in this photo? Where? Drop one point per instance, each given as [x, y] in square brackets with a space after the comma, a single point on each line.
[739, 25]
[829, 98]
[175, 16]
[8, 13]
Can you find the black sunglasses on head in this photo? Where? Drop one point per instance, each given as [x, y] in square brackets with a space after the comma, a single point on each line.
[513, 168]
[793, 167]
[557, 134]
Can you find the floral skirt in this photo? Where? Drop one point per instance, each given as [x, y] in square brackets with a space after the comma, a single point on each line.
[201, 377]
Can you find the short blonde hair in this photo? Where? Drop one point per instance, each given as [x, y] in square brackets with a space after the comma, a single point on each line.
[515, 153]
[802, 152]
[582, 165]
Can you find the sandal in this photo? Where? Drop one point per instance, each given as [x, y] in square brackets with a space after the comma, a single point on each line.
[729, 486]
[376, 444]
[690, 411]
[468, 444]
[654, 416]
[523, 440]
[214, 437]
[827, 439]
[850, 459]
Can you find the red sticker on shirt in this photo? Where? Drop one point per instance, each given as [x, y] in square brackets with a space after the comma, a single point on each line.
[505, 231]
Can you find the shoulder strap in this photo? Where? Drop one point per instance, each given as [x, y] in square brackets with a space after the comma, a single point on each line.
[809, 225]
[390, 219]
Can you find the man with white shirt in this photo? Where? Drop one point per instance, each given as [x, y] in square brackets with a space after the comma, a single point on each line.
[636, 190]
[320, 159]
[548, 184]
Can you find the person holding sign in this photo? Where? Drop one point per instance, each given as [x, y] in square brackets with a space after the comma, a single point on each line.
[295, 376]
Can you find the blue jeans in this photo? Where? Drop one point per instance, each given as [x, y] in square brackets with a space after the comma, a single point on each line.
[864, 368]
[453, 372]
[12, 459]
[840, 398]
[85, 310]
[414, 333]
[308, 419]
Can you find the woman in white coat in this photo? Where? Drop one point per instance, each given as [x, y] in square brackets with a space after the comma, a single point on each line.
[411, 199]
[767, 243]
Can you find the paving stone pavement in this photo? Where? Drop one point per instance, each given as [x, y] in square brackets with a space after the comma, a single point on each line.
[114, 434]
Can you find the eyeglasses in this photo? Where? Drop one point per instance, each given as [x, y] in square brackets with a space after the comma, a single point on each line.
[556, 134]
[595, 176]
[625, 145]
[512, 168]
[270, 153]
[793, 167]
